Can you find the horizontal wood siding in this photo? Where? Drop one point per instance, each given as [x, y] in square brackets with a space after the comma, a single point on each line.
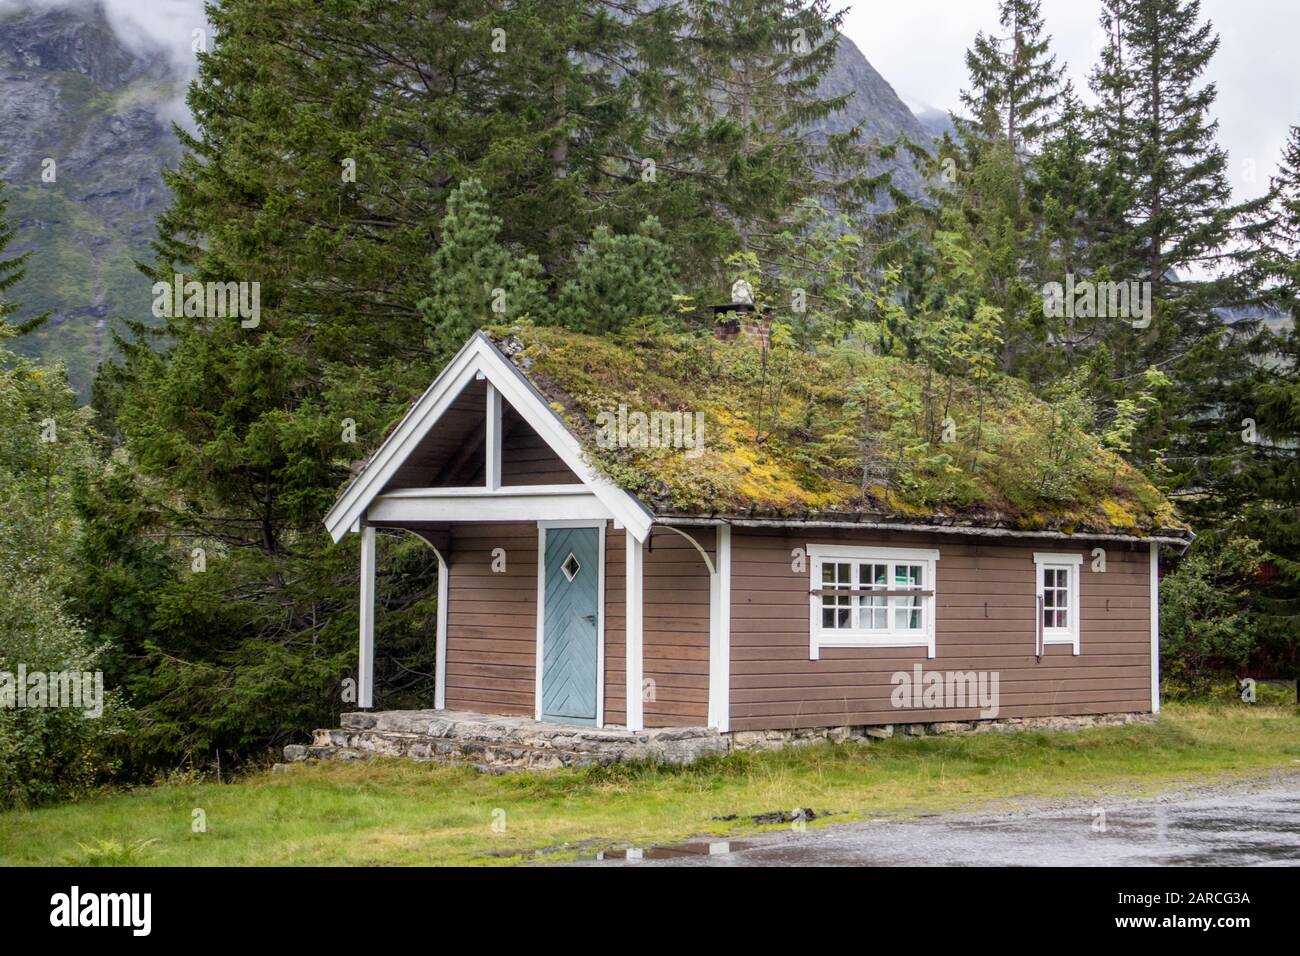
[492, 620]
[675, 630]
[526, 459]
[985, 615]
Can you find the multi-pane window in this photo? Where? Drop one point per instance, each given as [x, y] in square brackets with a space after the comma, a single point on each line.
[860, 595]
[872, 597]
[1058, 597]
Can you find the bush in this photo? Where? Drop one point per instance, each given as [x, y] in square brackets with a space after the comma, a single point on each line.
[1204, 632]
[48, 753]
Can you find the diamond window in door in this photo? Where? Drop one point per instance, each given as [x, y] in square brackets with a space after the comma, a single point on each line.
[571, 567]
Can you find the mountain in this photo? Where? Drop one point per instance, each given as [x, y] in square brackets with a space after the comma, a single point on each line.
[876, 108]
[72, 90]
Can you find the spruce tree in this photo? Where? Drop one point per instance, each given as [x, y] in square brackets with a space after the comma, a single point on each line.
[1272, 258]
[1162, 165]
[1015, 82]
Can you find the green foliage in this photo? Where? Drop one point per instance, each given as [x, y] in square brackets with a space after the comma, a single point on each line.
[474, 278]
[1205, 632]
[110, 853]
[45, 450]
[617, 280]
[1015, 83]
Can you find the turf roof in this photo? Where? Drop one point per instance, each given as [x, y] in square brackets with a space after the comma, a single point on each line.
[836, 434]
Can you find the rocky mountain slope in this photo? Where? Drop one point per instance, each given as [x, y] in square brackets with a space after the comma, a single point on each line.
[73, 92]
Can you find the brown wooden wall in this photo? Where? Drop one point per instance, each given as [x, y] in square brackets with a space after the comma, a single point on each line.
[985, 615]
[492, 619]
[526, 458]
[675, 629]
[492, 624]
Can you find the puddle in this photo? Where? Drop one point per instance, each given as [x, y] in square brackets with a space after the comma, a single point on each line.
[671, 851]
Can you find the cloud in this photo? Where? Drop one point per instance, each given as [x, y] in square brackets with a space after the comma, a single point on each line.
[150, 29]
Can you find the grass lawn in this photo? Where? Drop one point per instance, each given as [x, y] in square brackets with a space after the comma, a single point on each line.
[400, 812]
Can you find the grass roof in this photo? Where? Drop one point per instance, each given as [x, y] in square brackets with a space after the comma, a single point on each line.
[834, 433]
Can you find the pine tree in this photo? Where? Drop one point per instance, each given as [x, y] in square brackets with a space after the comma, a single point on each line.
[1015, 82]
[618, 280]
[475, 281]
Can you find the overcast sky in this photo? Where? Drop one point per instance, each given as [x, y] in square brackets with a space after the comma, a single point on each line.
[919, 47]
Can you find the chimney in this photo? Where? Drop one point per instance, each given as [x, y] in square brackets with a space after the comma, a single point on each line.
[737, 319]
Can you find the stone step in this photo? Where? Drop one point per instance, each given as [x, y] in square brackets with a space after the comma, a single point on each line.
[501, 743]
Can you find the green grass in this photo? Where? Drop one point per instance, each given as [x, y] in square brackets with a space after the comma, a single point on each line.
[399, 812]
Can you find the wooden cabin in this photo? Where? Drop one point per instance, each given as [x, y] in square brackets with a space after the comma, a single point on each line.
[762, 567]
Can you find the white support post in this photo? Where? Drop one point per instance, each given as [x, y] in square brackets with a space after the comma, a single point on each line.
[440, 652]
[720, 633]
[1155, 628]
[366, 657]
[492, 471]
[634, 618]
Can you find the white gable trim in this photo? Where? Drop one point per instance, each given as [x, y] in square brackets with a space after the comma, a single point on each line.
[480, 358]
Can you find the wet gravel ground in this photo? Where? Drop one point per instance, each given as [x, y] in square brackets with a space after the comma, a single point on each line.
[1244, 824]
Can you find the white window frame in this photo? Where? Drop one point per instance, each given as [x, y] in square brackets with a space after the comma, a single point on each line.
[1073, 565]
[819, 637]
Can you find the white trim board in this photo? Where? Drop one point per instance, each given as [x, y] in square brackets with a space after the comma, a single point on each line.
[522, 505]
[1155, 628]
[479, 358]
[720, 634]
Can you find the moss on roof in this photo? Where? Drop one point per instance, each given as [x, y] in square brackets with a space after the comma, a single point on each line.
[838, 432]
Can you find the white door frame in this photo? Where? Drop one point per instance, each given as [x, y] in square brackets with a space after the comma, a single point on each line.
[600, 611]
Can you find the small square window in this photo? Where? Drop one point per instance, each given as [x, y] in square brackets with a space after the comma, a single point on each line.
[571, 567]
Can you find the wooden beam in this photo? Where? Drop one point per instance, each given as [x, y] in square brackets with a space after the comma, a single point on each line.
[440, 653]
[573, 504]
[1155, 628]
[634, 617]
[492, 469]
[720, 633]
[366, 656]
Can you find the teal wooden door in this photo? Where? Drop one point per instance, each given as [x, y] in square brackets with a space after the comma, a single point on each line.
[569, 625]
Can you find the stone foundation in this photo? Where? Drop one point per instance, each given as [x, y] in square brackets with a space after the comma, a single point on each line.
[776, 739]
[500, 744]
